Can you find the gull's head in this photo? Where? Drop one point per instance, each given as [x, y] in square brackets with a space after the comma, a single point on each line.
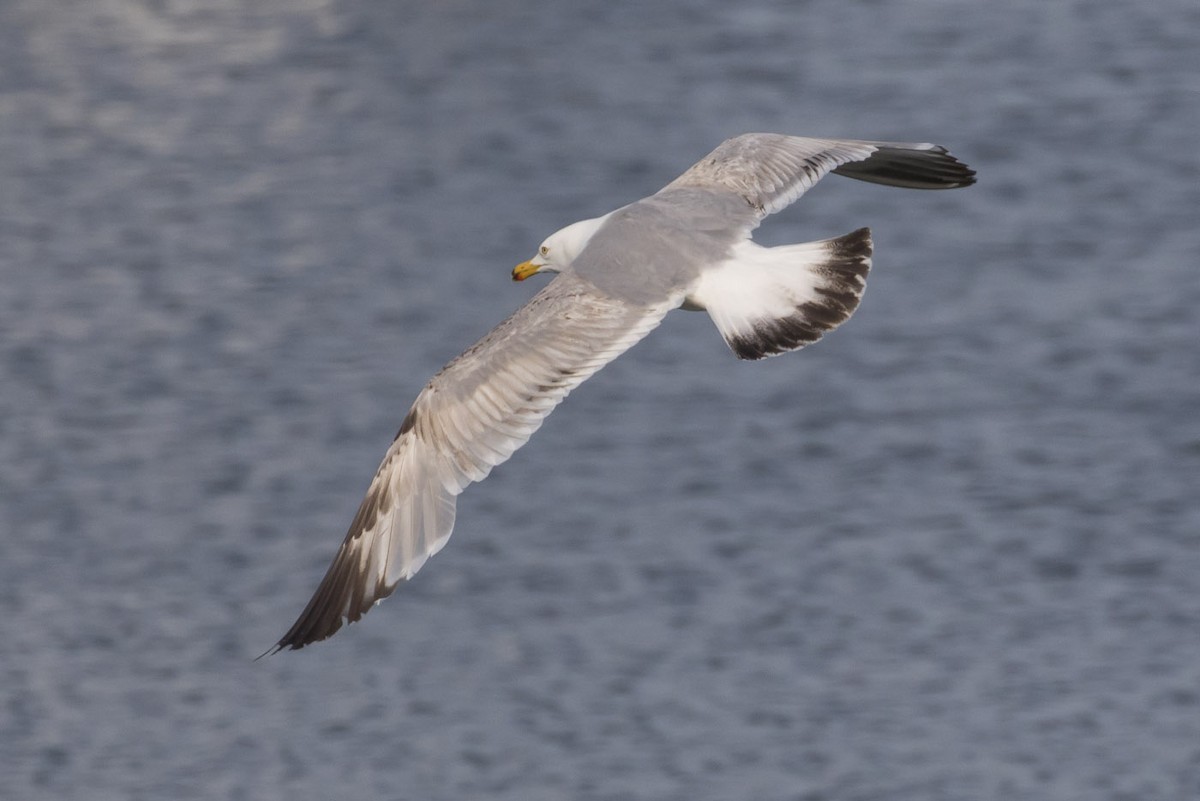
[559, 250]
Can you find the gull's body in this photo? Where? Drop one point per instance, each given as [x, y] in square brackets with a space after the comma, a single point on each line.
[686, 246]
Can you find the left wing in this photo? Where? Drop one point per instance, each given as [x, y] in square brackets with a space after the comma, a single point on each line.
[772, 171]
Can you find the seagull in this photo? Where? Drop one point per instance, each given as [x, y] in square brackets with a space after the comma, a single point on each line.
[686, 246]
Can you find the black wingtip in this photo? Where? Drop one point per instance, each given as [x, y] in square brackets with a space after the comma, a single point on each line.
[910, 168]
[296, 638]
[283, 645]
[274, 649]
[315, 623]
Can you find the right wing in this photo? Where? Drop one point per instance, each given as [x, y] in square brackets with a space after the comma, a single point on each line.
[471, 416]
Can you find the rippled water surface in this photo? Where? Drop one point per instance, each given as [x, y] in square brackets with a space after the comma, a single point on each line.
[951, 552]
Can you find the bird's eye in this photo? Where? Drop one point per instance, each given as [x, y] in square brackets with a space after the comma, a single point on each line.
[545, 251]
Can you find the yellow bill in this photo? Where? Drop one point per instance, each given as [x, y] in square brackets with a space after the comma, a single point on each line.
[524, 270]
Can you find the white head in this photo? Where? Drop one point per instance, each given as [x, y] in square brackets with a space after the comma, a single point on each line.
[560, 249]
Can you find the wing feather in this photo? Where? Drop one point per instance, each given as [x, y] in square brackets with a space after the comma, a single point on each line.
[469, 418]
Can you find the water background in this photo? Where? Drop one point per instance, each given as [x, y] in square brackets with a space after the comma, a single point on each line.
[950, 553]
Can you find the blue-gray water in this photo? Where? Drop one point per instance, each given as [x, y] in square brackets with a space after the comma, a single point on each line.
[952, 552]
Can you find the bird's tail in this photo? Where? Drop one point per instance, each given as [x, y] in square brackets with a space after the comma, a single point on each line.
[767, 301]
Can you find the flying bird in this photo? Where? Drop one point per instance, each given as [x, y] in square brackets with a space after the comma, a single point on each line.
[686, 246]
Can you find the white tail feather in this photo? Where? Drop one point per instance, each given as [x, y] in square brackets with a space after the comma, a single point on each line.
[767, 301]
